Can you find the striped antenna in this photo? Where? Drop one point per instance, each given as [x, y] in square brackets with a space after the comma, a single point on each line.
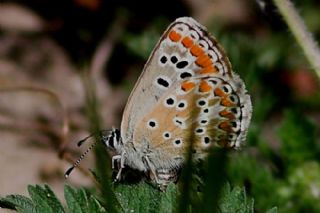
[77, 163]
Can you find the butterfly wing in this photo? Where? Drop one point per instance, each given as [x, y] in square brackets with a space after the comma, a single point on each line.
[187, 88]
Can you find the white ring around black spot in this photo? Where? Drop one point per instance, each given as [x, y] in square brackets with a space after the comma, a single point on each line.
[233, 98]
[163, 82]
[201, 102]
[152, 124]
[182, 105]
[177, 142]
[199, 130]
[170, 101]
[226, 88]
[166, 135]
[203, 122]
[163, 59]
[206, 111]
[206, 141]
[179, 122]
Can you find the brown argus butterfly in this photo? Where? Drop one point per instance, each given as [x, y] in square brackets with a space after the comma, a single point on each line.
[187, 93]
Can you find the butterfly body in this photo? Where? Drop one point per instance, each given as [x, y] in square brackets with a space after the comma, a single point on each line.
[187, 94]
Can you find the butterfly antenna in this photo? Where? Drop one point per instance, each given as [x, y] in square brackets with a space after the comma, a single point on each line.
[77, 163]
[85, 139]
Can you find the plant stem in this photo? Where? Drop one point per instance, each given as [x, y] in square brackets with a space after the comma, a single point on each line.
[300, 32]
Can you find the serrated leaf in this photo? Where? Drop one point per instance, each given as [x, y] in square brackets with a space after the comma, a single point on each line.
[52, 200]
[138, 198]
[73, 199]
[43, 201]
[20, 203]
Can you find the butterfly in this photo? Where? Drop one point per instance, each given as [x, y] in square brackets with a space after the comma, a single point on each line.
[187, 93]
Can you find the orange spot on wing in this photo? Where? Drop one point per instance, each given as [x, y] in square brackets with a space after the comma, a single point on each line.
[227, 114]
[219, 92]
[225, 125]
[186, 86]
[187, 42]
[203, 60]
[226, 102]
[204, 87]
[208, 70]
[174, 36]
[196, 50]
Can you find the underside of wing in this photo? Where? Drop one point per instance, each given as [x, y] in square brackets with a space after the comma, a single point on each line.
[184, 51]
[204, 111]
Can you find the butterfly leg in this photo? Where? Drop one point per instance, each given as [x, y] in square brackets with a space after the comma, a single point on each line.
[151, 167]
[118, 158]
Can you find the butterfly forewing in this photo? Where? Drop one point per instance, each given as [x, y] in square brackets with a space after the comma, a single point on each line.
[185, 50]
[186, 91]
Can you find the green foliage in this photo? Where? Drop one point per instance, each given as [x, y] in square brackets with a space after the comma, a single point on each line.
[132, 198]
[43, 200]
[298, 139]
[235, 200]
[302, 188]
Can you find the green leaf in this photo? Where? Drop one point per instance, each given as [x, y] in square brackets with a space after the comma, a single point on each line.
[138, 197]
[74, 200]
[273, 210]
[169, 199]
[18, 202]
[235, 200]
[44, 199]
[78, 201]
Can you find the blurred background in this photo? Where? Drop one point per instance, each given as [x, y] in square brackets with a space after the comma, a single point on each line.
[48, 48]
